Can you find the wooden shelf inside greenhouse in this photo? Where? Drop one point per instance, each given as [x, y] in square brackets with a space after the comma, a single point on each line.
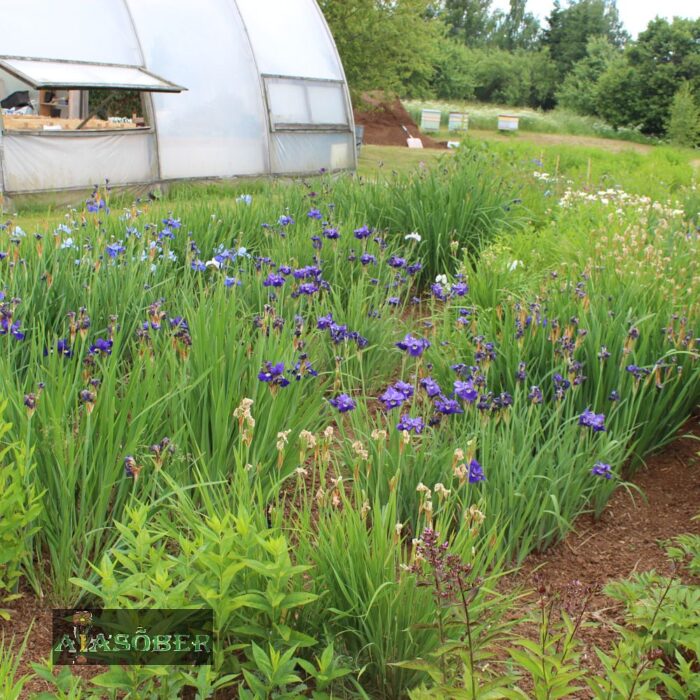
[31, 122]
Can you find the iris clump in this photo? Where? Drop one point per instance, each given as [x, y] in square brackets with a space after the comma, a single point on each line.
[259, 386]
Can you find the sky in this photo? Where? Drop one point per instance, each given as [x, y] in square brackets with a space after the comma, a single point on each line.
[635, 14]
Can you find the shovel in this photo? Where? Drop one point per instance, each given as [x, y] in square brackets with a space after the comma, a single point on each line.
[410, 141]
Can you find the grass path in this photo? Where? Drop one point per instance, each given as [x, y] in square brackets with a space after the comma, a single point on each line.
[611, 145]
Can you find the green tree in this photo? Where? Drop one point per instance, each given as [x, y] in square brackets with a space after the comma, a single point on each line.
[521, 78]
[579, 92]
[664, 56]
[467, 21]
[619, 100]
[384, 44]
[571, 27]
[453, 78]
[516, 29]
[684, 120]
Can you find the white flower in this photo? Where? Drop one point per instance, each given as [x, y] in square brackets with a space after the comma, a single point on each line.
[515, 265]
[214, 263]
[245, 199]
[413, 236]
[441, 279]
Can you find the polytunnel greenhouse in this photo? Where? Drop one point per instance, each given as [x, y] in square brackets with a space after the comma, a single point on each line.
[146, 91]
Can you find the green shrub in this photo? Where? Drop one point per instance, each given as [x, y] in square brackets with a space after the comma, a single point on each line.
[684, 118]
[20, 507]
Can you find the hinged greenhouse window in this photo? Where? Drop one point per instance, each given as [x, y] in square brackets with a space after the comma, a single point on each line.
[69, 75]
[302, 104]
[68, 96]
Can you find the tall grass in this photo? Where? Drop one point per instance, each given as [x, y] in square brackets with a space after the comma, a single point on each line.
[558, 121]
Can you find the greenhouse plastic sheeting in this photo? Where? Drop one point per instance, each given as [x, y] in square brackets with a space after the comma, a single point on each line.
[307, 152]
[223, 52]
[79, 160]
[218, 128]
[63, 74]
[297, 43]
[69, 30]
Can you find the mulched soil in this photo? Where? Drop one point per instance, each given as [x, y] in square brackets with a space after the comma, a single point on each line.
[383, 119]
[628, 538]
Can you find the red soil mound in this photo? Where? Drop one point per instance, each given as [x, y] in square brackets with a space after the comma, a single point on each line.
[383, 120]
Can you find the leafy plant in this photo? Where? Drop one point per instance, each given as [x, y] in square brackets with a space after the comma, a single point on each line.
[11, 687]
[20, 507]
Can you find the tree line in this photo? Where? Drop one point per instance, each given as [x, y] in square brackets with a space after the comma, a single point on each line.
[581, 58]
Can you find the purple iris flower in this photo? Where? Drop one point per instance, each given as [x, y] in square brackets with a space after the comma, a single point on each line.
[101, 347]
[413, 346]
[459, 289]
[447, 406]
[595, 421]
[521, 374]
[476, 473]
[331, 234]
[405, 388]
[411, 424]
[285, 220]
[273, 374]
[12, 328]
[343, 403]
[87, 396]
[172, 223]
[338, 332]
[432, 388]
[535, 395]
[392, 398]
[367, 258]
[614, 396]
[273, 280]
[393, 301]
[395, 261]
[308, 288]
[314, 214]
[466, 391]
[178, 323]
[362, 232]
[324, 322]
[64, 348]
[438, 291]
[113, 249]
[232, 282]
[413, 268]
[602, 469]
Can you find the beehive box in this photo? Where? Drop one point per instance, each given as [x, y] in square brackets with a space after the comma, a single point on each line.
[458, 121]
[508, 122]
[430, 119]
